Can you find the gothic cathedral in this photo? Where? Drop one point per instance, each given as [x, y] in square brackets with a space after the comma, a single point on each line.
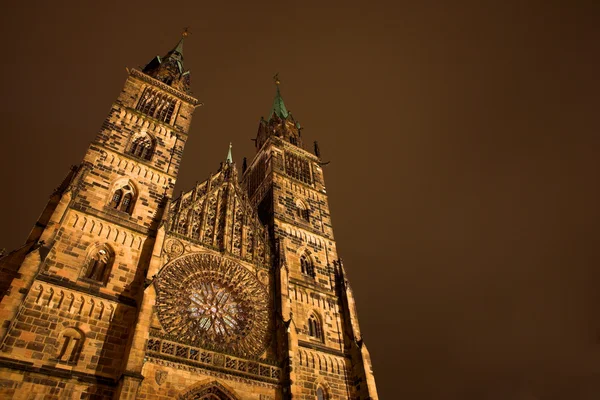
[233, 290]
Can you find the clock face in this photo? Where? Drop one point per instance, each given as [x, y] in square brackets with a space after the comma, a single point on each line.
[214, 303]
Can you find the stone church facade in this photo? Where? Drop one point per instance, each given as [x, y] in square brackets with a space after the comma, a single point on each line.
[233, 290]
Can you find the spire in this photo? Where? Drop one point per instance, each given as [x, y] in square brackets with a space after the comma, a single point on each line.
[177, 52]
[229, 157]
[278, 104]
[169, 69]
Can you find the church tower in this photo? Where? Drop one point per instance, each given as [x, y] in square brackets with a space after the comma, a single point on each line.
[232, 290]
[321, 347]
[70, 296]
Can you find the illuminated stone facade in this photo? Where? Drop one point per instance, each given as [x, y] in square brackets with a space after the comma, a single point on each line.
[233, 290]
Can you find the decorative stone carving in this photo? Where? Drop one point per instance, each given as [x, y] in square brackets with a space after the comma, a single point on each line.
[218, 213]
[173, 248]
[160, 376]
[214, 303]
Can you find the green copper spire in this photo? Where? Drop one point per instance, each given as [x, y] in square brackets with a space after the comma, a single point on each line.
[278, 104]
[177, 52]
[229, 157]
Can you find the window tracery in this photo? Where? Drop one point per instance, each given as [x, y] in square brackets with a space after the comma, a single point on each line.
[99, 264]
[142, 147]
[302, 211]
[306, 265]
[157, 105]
[314, 327]
[298, 168]
[123, 198]
[213, 303]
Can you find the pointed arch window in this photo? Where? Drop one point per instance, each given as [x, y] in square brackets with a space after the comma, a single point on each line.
[302, 211]
[315, 329]
[306, 265]
[142, 147]
[157, 105]
[123, 198]
[99, 264]
[298, 167]
[70, 346]
[321, 394]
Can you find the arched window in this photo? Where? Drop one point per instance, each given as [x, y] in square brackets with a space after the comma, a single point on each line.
[157, 105]
[302, 211]
[321, 395]
[306, 265]
[69, 346]
[293, 140]
[99, 264]
[142, 147]
[314, 327]
[123, 198]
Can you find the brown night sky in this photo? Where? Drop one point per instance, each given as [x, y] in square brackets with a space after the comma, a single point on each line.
[464, 148]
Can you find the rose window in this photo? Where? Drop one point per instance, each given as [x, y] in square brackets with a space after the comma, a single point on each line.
[217, 309]
[213, 303]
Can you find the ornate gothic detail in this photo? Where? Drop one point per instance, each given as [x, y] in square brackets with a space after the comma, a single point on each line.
[209, 391]
[218, 214]
[213, 303]
[160, 376]
[173, 248]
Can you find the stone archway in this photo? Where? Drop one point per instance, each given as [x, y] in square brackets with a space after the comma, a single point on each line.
[209, 391]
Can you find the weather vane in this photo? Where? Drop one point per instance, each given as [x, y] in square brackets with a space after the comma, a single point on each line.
[186, 32]
[276, 78]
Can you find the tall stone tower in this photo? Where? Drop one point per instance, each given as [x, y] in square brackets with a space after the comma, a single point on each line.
[70, 296]
[321, 346]
[232, 290]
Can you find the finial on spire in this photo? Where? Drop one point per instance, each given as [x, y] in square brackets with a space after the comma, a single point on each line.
[186, 32]
[229, 157]
[276, 78]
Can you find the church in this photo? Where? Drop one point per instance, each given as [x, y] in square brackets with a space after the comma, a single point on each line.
[232, 290]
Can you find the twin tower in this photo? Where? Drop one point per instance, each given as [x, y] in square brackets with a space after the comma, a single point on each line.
[233, 290]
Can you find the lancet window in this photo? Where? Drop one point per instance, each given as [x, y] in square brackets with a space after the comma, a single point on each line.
[298, 168]
[256, 176]
[157, 105]
[315, 329]
[306, 265]
[321, 394]
[123, 198]
[99, 264]
[142, 147]
[302, 211]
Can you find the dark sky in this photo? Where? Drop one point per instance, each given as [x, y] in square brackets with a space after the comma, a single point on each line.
[464, 147]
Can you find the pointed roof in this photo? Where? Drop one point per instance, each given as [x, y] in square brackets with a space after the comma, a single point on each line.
[169, 69]
[278, 104]
[176, 54]
[229, 157]
[189, 216]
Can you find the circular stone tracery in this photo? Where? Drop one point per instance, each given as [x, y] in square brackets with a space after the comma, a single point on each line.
[213, 303]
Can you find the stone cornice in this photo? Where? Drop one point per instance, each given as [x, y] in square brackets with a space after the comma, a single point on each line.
[303, 227]
[114, 219]
[66, 283]
[146, 164]
[52, 371]
[146, 78]
[173, 362]
[324, 349]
